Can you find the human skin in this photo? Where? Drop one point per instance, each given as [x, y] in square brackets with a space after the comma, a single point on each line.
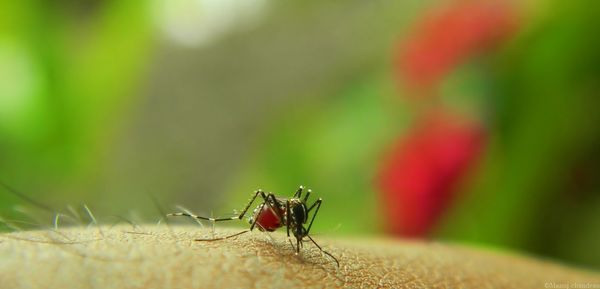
[168, 257]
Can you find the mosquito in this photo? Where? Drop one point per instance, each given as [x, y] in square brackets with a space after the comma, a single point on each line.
[274, 213]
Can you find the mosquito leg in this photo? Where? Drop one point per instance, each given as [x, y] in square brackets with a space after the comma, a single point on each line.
[278, 211]
[298, 193]
[222, 238]
[254, 221]
[267, 233]
[270, 203]
[201, 218]
[184, 210]
[258, 192]
[318, 205]
[306, 196]
[288, 218]
[292, 244]
[327, 253]
[274, 202]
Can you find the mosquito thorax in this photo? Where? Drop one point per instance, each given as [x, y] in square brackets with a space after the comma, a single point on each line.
[298, 211]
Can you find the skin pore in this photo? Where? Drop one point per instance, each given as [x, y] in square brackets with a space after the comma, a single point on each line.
[168, 257]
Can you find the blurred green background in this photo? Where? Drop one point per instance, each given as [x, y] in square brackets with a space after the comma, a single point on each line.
[196, 102]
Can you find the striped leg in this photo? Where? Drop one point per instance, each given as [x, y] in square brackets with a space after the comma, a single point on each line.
[258, 192]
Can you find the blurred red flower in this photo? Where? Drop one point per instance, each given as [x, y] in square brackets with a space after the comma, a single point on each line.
[420, 173]
[422, 169]
[443, 38]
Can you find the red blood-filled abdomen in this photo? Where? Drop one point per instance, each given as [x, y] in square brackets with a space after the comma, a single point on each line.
[268, 220]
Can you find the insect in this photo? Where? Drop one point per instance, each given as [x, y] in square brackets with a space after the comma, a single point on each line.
[274, 213]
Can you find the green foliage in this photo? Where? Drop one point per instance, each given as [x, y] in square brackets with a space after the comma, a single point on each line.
[546, 123]
[65, 81]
